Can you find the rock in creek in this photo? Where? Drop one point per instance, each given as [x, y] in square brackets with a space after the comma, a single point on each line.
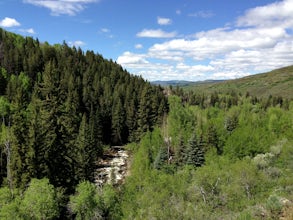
[112, 168]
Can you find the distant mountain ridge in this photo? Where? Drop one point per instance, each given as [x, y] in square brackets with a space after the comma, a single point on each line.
[183, 82]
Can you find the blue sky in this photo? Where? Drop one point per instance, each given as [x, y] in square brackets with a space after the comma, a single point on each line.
[165, 39]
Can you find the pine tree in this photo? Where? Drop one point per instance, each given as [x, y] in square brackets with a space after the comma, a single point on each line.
[194, 154]
[213, 138]
[161, 158]
[5, 141]
[145, 111]
[231, 123]
[130, 106]
[3, 81]
[21, 153]
[82, 151]
[55, 147]
[118, 121]
[200, 149]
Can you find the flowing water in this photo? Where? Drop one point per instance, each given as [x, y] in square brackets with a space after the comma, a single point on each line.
[112, 168]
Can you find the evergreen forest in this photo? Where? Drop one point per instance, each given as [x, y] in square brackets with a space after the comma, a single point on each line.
[194, 155]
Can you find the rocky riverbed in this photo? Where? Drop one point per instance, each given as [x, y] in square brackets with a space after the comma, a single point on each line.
[112, 168]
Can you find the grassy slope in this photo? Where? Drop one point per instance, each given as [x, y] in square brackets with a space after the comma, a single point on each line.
[278, 82]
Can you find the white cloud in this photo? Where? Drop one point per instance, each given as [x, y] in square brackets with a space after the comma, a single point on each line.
[105, 30]
[278, 14]
[229, 75]
[202, 14]
[178, 12]
[77, 43]
[194, 68]
[171, 55]
[29, 31]
[260, 40]
[138, 46]
[156, 33]
[58, 7]
[164, 21]
[141, 65]
[9, 22]
[131, 59]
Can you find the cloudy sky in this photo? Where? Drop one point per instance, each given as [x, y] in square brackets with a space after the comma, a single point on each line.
[165, 39]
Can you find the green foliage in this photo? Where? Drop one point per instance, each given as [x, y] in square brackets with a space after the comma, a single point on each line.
[274, 205]
[231, 120]
[194, 152]
[5, 196]
[39, 201]
[84, 203]
[86, 152]
[89, 202]
[247, 141]
[3, 80]
[231, 177]
[10, 210]
[4, 107]
[161, 158]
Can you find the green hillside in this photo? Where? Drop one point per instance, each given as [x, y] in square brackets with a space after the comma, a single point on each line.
[278, 82]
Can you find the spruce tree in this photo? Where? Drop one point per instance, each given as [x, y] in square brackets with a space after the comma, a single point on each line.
[213, 138]
[145, 111]
[161, 158]
[194, 153]
[118, 121]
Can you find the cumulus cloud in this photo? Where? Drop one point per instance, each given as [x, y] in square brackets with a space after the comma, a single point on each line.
[12, 22]
[164, 21]
[9, 22]
[131, 59]
[156, 33]
[278, 14]
[77, 43]
[229, 75]
[220, 41]
[59, 7]
[260, 40]
[194, 68]
[29, 31]
[141, 64]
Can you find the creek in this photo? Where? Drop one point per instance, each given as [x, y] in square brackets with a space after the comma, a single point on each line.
[112, 167]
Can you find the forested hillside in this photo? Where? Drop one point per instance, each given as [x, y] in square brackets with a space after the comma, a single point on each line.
[59, 106]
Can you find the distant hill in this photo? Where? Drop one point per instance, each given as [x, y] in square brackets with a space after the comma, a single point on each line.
[278, 82]
[172, 82]
[184, 83]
